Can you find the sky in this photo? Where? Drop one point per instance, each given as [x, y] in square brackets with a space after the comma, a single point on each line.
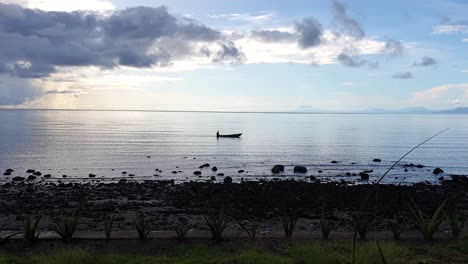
[211, 55]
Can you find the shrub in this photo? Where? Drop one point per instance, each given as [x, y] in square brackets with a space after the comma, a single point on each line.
[427, 226]
[65, 226]
[289, 223]
[141, 225]
[325, 225]
[250, 228]
[362, 223]
[216, 222]
[398, 224]
[182, 229]
[30, 226]
[456, 221]
[108, 223]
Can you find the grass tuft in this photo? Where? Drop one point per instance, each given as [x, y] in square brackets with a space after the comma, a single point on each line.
[65, 226]
[216, 222]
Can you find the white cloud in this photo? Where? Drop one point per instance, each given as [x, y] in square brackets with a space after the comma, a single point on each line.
[441, 97]
[64, 5]
[465, 40]
[259, 17]
[450, 29]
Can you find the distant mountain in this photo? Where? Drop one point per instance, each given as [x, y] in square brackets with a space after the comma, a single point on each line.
[458, 110]
[408, 110]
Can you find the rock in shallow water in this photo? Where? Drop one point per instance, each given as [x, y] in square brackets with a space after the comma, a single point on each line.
[277, 169]
[214, 168]
[227, 180]
[438, 171]
[364, 176]
[197, 172]
[300, 169]
[377, 160]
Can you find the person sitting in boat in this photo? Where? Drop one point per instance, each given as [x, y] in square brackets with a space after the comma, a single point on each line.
[217, 134]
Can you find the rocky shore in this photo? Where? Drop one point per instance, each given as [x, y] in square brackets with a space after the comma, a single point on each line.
[263, 201]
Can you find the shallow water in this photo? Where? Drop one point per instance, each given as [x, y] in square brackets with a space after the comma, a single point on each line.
[76, 143]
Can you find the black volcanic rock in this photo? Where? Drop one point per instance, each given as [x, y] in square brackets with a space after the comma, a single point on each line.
[31, 177]
[214, 168]
[18, 178]
[377, 160]
[47, 176]
[91, 175]
[37, 173]
[197, 172]
[364, 176]
[277, 169]
[220, 174]
[334, 162]
[240, 171]
[206, 165]
[300, 169]
[227, 180]
[30, 171]
[437, 171]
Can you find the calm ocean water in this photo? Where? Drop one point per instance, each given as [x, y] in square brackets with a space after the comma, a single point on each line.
[76, 143]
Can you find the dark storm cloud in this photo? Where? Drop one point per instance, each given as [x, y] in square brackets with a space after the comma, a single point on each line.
[425, 62]
[34, 42]
[228, 53]
[273, 36]
[394, 48]
[310, 32]
[346, 23]
[403, 75]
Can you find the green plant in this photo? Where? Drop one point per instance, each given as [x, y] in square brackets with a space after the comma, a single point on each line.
[65, 226]
[427, 226]
[141, 225]
[362, 223]
[108, 223]
[456, 221]
[381, 254]
[250, 228]
[289, 223]
[325, 225]
[182, 229]
[216, 222]
[398, 224]
[30, 226]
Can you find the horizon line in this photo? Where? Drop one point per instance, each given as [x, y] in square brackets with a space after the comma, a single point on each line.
[226, 112]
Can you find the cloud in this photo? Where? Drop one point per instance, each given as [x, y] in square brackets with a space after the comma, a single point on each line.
[425, 62]
[273, 36]
[35, 43]
[394, 48]
[228, 53]
[60, 5]
[441, 97]
[465, 40]
[309, 31]
[355, 62]
[259, 17]
[403, 75]
[346, 24]
[62, 92]
[450, 29]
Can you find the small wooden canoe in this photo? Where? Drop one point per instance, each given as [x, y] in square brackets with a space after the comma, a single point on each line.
[230, 136]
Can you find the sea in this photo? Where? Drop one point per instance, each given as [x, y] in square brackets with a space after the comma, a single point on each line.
[150, 145]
